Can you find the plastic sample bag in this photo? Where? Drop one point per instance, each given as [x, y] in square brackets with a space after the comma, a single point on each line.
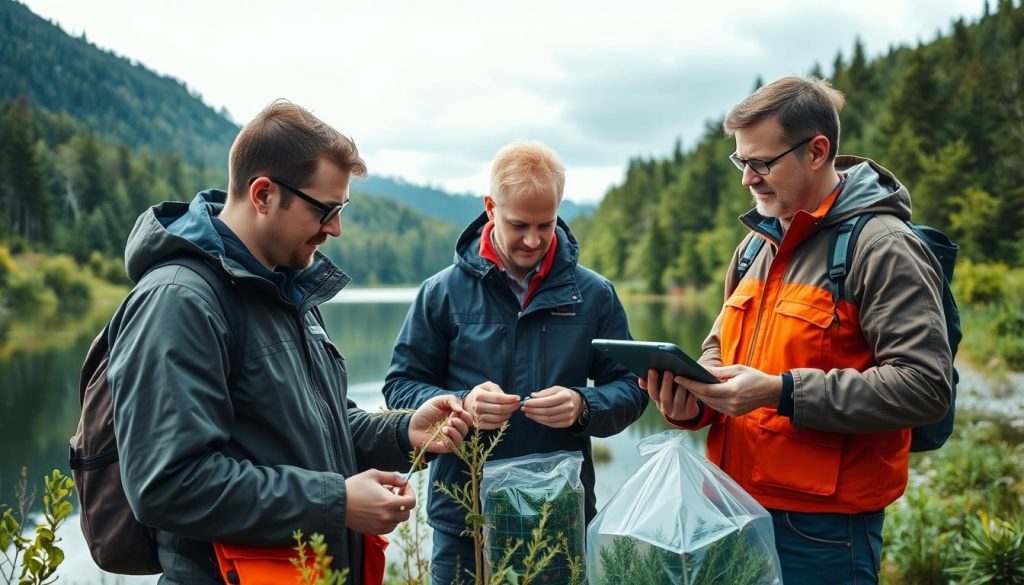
[681, 520]
[513, 493]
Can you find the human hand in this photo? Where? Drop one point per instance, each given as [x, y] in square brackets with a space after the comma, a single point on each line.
[489, 406]
[372, 504]
[673, 400]
[447, 409]
[743, 389]
[557, 407]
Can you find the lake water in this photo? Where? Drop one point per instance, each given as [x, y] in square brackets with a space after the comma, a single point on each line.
[39, 403]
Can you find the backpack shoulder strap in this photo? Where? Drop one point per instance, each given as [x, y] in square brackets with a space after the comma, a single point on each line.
[231, 305]
[840, 257]
[753, 248]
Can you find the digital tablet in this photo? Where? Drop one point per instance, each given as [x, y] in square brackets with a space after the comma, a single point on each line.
[639, 356]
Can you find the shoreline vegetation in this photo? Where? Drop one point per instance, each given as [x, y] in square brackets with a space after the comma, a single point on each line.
[36, 288]
[963, 511]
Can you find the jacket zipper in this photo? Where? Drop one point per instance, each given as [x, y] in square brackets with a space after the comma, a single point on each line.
[322, 404]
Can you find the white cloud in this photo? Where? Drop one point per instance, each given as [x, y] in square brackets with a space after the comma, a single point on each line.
[430, 90]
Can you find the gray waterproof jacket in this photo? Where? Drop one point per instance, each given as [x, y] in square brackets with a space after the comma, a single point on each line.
[248, 464]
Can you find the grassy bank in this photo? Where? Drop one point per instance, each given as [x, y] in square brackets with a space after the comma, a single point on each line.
[57, 295]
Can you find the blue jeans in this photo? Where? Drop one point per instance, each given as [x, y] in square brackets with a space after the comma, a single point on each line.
[451, 554]
[829, 548]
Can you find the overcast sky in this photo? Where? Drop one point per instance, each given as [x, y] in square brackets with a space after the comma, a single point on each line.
[431, 89]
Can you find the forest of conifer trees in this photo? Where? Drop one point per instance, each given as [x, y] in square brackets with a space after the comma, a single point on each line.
[947, 117]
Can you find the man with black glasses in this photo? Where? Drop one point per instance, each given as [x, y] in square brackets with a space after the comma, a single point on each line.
[230, 400]
[821, 380]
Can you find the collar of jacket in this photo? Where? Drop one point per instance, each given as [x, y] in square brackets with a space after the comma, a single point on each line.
[867, 187]
[175, 228]
[467, 251]
[563, 266]
[540, 272]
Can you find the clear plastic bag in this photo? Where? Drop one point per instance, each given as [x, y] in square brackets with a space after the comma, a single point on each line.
[681, 520]
[513, 493]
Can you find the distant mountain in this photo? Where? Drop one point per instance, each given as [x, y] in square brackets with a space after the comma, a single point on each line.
[125, 102]
[459, 209]
[116, 98]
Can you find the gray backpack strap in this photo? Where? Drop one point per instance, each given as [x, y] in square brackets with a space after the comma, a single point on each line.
[750, 252]
[840, 258]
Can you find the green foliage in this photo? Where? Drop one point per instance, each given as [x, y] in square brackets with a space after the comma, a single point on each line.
[121, 100]
[315, 569]
[109, 269]
[27, 295]
[40, 556]
[947, 117]
[62, 275]
[514, 513]
[383, 242]
[628, 561]
[991, 297]
[993, 552]
[933, 531]
[7, 266]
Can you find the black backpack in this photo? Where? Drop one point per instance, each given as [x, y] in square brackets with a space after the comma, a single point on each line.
[840, 255]
[117, 541]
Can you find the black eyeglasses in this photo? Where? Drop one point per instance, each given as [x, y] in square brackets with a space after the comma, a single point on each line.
[763, 167]
[328, 211]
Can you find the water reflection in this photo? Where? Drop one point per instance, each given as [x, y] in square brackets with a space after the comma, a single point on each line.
[40, 405]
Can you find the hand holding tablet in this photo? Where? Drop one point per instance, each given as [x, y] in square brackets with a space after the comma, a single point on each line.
[640, 356]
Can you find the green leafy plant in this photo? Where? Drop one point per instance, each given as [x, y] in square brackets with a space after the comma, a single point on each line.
[39, 556]
[474, 453]
[514, 513]
[993, 552]
[315, 569]
[628, 561]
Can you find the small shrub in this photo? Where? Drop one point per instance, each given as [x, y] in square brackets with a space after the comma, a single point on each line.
[40, 556]
[979, 283]
[993, 552]
[27, 295]
[62, 275]
[7, 265]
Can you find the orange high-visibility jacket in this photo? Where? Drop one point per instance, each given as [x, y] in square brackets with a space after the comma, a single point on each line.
[865, 370]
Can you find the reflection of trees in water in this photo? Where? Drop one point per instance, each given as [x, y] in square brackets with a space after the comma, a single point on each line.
[684, 322]
[40, 407]
[365, 334]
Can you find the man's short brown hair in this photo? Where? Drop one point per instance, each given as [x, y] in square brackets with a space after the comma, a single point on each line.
[286, 141]
[803, 107]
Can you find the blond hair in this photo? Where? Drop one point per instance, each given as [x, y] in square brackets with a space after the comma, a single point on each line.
[526, 167]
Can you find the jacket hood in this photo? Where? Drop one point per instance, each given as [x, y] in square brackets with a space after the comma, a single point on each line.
[870, 188]
[467, 249]
[176, 228]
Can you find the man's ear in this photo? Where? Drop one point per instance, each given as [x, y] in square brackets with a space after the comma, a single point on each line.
[818, 148]
[260, 193]
[489, 207]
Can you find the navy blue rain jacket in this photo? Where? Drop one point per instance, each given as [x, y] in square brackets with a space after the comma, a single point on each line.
[466, 327]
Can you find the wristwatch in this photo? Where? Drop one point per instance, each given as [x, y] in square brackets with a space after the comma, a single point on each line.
[584, 416]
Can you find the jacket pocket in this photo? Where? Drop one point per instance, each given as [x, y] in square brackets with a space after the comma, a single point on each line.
[801, 335]
[802, 460]
[734, 314]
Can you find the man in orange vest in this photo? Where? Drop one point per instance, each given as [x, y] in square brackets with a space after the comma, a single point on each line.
[819, 390]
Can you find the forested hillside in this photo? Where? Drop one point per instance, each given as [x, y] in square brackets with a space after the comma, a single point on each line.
[947, 117]
[111, 95]
[88, 140]
[65, 190]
